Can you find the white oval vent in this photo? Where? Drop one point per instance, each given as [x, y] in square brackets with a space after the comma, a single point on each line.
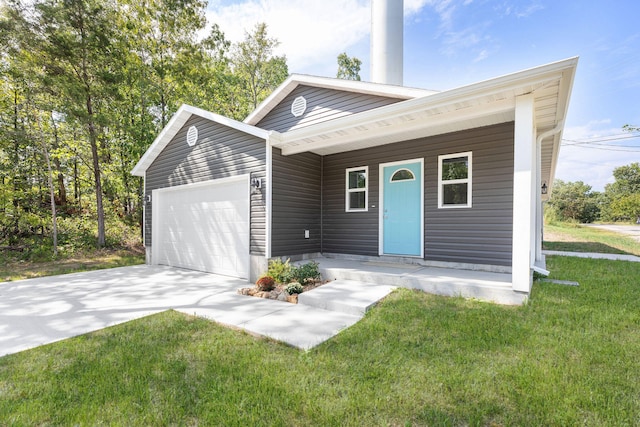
[299, 106]
[192, 136]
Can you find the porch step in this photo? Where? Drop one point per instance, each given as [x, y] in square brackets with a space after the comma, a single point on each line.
[482, 285]
[345, 296]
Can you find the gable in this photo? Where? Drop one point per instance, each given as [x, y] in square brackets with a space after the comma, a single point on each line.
[322, 104]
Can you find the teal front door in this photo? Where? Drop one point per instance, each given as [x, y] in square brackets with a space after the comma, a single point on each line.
[402, 217]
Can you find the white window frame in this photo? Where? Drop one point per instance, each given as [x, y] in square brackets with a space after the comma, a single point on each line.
[468, 180]
[348, 190]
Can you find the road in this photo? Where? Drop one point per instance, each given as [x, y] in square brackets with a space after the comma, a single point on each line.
[632, 231]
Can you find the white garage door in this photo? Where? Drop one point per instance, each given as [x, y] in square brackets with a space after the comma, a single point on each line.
[203, 226]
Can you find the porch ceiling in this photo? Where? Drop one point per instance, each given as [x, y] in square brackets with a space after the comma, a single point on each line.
[481, 104]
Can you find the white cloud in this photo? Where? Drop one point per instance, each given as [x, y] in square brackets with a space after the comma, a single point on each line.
[592, 164]
[312, 33]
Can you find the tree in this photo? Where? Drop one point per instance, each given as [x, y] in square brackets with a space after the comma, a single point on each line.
[256, 68]
[623, 195]
[575, 201]
[348, 68]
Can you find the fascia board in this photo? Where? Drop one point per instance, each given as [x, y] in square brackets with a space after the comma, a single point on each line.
[175, 124]
[296, 80]
[511, 81]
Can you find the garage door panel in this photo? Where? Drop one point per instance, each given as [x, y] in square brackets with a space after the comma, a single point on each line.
[204, 227]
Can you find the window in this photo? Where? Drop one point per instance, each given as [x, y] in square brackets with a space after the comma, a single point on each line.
[403, 175]
[454, 180]
[356, 189]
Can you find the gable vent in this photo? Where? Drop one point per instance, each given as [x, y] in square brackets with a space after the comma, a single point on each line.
[299, 106]
[192, 136]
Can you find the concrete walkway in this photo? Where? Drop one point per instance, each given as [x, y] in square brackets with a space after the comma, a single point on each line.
[39, 311]
[612, 257]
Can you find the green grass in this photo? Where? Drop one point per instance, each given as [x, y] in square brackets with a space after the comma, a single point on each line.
[16, 269]
[568, 357]
[578, 238]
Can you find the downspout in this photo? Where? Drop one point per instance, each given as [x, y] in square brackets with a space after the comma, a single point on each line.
[542, 136]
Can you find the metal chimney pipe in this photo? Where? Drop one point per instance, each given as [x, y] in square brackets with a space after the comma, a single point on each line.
[387, 41]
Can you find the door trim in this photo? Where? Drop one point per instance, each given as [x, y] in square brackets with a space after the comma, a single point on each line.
[381, 186]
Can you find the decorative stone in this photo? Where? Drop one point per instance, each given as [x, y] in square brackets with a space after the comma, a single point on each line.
[292, 298]
[282, 296]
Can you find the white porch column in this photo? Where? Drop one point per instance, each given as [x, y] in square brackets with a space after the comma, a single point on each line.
[524, 175]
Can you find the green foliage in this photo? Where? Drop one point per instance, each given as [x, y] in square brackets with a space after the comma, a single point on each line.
[256, 67]
[280, 270]
[306, 273]
[294, 288]
[348, 67]
[574, 201]
[265, 283]
[92, 83]
[623, 195]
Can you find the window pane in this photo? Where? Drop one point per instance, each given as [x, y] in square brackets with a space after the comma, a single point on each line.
[402, 175]
[454, 194]
[357, 179]
[356, 200]
[455, 168]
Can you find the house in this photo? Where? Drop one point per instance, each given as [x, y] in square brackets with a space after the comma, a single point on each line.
[334, 167]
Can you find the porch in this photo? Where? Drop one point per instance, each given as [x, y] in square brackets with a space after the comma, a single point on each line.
[353, 273]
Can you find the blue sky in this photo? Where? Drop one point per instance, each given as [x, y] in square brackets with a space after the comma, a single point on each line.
[451, 43]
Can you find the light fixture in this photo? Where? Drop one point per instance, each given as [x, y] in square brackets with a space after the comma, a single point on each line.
[256, 182]
[544, 188]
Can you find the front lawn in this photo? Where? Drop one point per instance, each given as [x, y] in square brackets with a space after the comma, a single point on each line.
[569, 357]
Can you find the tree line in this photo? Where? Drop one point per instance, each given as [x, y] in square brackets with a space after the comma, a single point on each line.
[85, 88]
[620, 201]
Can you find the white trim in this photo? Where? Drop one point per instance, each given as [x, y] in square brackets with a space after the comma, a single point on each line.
[296, 80]
[144, 210]
[267, 250]
[176, 123]
[348, 191]
[468, 180]
[381, 187]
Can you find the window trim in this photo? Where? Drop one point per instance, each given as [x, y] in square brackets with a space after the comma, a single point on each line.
[468, 180]
[348, 191]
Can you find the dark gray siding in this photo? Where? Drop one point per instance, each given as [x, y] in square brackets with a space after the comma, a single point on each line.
[481, 234]
[220, 152]
[322, 105]
[296, 203]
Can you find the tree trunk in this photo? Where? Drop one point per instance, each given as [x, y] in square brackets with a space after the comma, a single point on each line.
[93, 140]
[52, 194]
[62, 191]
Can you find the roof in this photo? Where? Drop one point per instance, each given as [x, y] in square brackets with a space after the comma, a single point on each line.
[367, 88]
[479, 104]
[178, 120]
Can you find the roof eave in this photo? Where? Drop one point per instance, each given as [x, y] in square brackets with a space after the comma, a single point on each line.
[174, 125]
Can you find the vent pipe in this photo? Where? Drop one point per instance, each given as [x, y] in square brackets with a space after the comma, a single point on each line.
[386, 41]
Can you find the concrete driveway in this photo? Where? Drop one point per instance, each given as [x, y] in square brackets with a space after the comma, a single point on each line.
[39, 311]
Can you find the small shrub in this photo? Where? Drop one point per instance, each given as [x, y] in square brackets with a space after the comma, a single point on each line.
[265, 283]
[294, 288]
[306, 273]
[280, 270]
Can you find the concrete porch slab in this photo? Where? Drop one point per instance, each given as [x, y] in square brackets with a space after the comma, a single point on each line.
[482, 285]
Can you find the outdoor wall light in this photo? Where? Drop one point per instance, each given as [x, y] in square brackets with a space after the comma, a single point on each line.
[256, 182]
[544, 188]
